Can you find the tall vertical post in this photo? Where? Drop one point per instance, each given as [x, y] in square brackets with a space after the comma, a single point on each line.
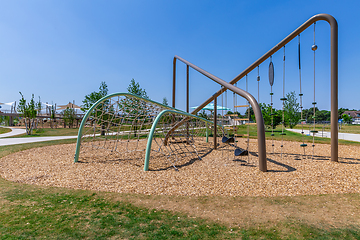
[334, 89]
[215, 123]
[187, 101]
[174, 83]
[187, 89]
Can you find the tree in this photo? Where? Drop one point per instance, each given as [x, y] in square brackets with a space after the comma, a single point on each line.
[52, 116]
[28, 112]
[135, 88]
[92, 98]
[341, 112]
[291, 110]
[268, 118]
[347, 118]
[69, 117]
[135, 107]
[165, 101]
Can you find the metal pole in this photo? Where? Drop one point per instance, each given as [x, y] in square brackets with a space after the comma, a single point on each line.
[187, 88]
[334, 89]
[215, 123]
[174, 83]
[187, 102]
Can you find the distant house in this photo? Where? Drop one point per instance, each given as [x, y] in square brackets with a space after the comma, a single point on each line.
[355, 116]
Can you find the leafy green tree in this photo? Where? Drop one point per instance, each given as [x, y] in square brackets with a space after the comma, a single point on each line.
[28, 112]
[202, 114]
[291, 110]
[135, 88]
[135, 107]
[92, 98]
[69, 117]
[341, 112]
[266, 112]
[347, 118]
[252, 115]
[52, 116]
[165, 101]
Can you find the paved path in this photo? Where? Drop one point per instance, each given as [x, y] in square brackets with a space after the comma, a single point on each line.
[344, 136]
[13, 141]
[14, 132]
[17, 131]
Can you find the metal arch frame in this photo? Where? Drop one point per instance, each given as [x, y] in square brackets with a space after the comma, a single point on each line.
[78, 142]
[333, 65]
[153, 128]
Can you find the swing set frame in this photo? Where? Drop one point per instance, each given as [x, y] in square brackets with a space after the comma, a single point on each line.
[258, 115]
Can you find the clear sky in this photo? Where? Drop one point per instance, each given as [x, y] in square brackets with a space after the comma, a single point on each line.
[62, 50]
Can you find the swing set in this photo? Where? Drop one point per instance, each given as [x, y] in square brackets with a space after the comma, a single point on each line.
[254, 104]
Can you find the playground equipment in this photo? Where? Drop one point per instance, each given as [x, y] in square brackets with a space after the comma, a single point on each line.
[114, 123]
[126, 127]
[333, 83]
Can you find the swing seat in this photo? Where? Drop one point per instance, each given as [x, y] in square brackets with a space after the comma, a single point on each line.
[241, 152]
[228, 140]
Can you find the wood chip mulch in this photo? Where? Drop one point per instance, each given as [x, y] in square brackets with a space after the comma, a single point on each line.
[218, 173]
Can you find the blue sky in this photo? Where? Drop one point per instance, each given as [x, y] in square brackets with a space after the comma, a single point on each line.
[62, 50]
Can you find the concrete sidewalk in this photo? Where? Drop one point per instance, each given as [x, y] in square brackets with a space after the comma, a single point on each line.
[343, 136]
[17, 131]
[13, 141]
[14, 132]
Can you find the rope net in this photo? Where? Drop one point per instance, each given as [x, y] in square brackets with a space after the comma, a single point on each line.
[181, 139]
[117, 129]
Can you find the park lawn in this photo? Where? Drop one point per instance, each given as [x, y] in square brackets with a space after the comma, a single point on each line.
[4, 130]
[29, 211]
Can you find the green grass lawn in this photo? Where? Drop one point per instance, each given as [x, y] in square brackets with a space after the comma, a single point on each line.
[29, 211]
[4, 130]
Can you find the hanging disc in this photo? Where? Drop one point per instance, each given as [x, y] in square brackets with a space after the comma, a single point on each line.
[271, 73]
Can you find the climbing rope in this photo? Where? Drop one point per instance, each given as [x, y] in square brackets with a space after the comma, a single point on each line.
[283, 99]
[314, 48]
[248, 122]
[271, 81]
[258, 80]
[301, 102]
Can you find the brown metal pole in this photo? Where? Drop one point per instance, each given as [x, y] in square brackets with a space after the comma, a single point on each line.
[215, 123]
[187, 89]
[187, 101]
[334, 90]
[174, 83]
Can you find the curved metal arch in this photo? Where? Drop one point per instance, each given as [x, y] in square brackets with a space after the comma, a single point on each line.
[78, 142]
[153, 127]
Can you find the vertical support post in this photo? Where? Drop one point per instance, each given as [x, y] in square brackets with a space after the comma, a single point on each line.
[215, 123]
[187, 89]
[187, 101]
[207, 132]
[174, 83]
[334, 89]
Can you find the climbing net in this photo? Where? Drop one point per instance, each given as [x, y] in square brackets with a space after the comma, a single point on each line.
[119, 127]
[181, 138]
